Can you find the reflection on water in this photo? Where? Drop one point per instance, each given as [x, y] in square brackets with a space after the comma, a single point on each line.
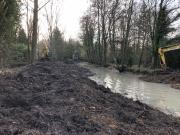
[159, 96]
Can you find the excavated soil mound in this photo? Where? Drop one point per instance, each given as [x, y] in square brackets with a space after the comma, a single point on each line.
[53, 98]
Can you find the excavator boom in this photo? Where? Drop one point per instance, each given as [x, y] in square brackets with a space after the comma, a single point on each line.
[164, 50]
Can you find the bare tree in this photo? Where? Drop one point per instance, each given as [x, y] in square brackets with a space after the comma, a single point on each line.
[52, 18]
[35, 31]
[127, 31]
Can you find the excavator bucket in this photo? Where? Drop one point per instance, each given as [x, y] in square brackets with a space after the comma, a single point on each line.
[173, 59]
[170, 56]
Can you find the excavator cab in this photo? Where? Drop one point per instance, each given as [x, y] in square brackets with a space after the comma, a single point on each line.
[170, 56]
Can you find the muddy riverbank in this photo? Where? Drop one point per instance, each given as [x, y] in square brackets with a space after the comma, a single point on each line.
[172, 78]
[53, 98]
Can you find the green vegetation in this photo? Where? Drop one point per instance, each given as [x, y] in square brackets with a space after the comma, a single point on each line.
[9, 14]
[57, 45]
[19, 55]
[61, 49]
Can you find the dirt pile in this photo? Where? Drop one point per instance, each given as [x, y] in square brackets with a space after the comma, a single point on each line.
[53, 98]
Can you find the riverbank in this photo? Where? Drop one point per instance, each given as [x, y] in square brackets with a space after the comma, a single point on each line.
[172, 78]
[57, 98]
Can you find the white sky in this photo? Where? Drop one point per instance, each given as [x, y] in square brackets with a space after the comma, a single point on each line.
[69, 14]
[72, 11]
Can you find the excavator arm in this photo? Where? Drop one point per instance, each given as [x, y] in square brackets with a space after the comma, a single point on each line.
[162, 52]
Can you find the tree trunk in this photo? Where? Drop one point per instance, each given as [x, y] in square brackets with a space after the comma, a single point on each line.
[99, 37]
[142, 52]
[113, 42]
[35, 31]
[104, 34]
[28, 34]
[125, 41]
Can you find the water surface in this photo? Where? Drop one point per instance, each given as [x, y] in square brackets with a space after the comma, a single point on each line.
[160, 96]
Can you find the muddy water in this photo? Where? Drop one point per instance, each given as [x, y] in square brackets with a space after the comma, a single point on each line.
[159, 96]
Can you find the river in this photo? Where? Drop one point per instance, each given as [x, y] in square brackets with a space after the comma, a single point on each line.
[159, 96]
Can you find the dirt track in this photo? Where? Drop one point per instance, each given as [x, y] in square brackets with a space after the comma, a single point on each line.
[53, 98]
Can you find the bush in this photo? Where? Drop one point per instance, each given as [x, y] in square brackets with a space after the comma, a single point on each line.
[19, 55]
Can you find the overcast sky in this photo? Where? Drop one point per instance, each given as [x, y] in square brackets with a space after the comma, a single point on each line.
[69, 14]
[72, 11]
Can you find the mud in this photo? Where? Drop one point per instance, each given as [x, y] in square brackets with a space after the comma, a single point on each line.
[172, 78]
[53, 98]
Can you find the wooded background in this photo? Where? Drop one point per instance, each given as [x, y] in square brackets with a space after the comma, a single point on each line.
[129, 32]
[122, 32]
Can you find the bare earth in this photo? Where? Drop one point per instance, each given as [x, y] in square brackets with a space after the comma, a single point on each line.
[172, 78]
[53, 98]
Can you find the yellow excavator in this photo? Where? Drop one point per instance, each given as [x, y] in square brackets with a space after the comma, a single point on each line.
[45, 51]
[170, 56]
